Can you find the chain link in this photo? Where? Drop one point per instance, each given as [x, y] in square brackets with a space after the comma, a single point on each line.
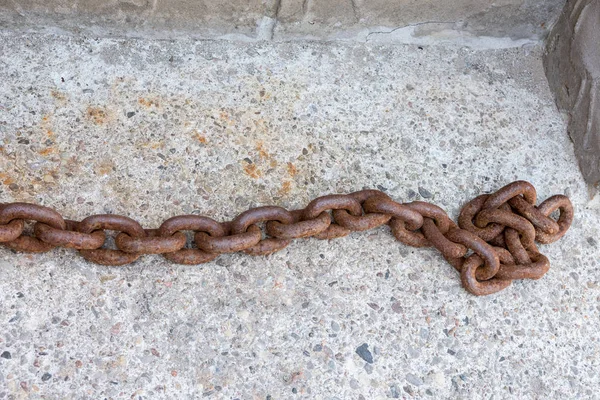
[492, 245]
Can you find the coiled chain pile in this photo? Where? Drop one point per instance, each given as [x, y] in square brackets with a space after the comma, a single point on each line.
[493, 244]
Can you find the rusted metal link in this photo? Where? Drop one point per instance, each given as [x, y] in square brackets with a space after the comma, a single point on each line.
[435, 224]
[195, 223]
[229, 243]
[12, 230]
[500, 229]
[468, 277]
[503, 195]
[513, 243]
[448, 248]
[413, 220]
[299, 229]
[405, 221]
[433, 212]
[115, 223]
[109, 257]
[153, 243]
[547, 207]
[535, 269]
[534, 215]
[332, 202]
[70, 237]
[507, 218]
[363, 222]
[334, 231]
[262, 214]
[28, 244]
[32, 212]
[467, 216]
[479, 246]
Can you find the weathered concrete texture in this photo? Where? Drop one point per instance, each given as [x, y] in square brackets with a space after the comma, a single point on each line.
[153, 129]
[407, 20]
[572, 62]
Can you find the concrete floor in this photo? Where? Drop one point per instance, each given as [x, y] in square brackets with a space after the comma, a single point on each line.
[153, 129]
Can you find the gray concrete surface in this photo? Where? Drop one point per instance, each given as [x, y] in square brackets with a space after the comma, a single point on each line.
[572, 62]
[380, 20]
[153, 129]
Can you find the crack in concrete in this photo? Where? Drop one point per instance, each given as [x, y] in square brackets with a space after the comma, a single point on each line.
[355, 10]
[277, 8]
[405, 26]
[276, 17]
[17, 8]
[304, 8]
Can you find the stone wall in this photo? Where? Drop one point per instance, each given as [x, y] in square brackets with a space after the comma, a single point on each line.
[398, 20]
[572, 62]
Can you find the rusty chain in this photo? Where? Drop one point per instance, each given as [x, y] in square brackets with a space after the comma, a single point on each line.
[492, 245]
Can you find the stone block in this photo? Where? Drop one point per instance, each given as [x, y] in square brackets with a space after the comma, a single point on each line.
[572, 63]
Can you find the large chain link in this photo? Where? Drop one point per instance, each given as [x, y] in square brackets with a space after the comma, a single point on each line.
[493, 244]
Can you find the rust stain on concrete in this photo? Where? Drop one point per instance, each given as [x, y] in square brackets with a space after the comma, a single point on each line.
[252, 170]
[104, 168]
[262, 153]
[48, 151]
[97, 115]
[201, 137]
[6, 179]
[291, 169]
[286, 188]
[61, 97]
[148, 102]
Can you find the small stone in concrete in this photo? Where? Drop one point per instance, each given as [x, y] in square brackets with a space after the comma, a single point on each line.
[46, 376]
[415, 380]
[412, 352]
[397, 307]
[426, 194]
[364, 353]
[437, 379]
[394, 392]
[6, 355]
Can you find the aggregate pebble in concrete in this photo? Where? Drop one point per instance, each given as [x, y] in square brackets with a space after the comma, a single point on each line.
[153, 129]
